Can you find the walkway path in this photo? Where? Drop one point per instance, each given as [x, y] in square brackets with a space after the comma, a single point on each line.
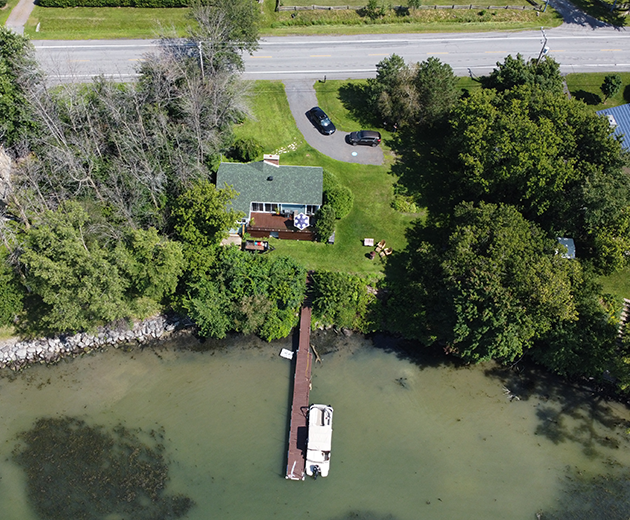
[19, 16]
[296, 456]
[302, 97]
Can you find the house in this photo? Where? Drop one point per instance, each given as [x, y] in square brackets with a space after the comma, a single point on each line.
[271, 195]
[619, 119]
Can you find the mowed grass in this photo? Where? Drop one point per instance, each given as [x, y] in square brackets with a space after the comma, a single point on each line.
[124, 22]
[586, 86]
[372, 186]
[617, 283]
[6, 10]
[101, 23]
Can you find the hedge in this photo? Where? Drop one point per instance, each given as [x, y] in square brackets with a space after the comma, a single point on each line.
[112, 3]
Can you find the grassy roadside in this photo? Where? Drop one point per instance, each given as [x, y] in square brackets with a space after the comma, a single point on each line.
[101, 23]
[6, 10]
[123, 22]
[586, 86]
[371, 216]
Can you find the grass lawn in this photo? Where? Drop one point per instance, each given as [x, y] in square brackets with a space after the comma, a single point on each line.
[125, 22]
[371, 216]
[617, 283]
[361, 3]
[586, 86]
[6, 11]
[6, 333]
[104, 23]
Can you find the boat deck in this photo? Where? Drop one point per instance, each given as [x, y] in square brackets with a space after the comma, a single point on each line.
[296, 458]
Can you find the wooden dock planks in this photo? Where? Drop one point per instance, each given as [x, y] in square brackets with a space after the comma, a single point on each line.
[296, 464]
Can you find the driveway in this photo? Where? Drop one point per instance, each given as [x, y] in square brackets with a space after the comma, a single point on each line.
[301, 96]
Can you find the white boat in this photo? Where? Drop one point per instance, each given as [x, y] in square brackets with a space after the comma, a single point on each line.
[319, 440]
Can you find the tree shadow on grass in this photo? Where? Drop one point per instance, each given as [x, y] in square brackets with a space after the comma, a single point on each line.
[354, 98]
[626, 94]
[588, 97]
[566, 412]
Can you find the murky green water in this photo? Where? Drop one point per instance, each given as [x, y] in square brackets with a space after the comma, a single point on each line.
[412, 440]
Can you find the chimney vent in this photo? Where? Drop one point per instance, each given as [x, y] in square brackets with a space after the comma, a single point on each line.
[270, 178]
[273, 159]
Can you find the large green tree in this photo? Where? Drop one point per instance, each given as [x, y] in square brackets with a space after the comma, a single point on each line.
[242, 292]
[437, 89]
[484, 284]
[549, 156]
[78, 280]
[513, 72]
[18, 73]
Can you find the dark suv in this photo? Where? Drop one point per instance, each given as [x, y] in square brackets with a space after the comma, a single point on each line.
[321, 121]
[364, 137]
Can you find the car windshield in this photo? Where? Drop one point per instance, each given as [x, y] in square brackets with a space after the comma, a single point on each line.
[325, 121]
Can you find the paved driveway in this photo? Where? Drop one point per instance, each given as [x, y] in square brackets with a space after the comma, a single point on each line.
[301, 96]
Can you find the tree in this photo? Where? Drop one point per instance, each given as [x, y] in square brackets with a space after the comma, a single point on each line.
[611, 85]
[414, 4]
[486, 283]
[11, 291]
[75, 285]
[252, 294]
[325, 223]
[18, 74]
[549, 156]
[151, 263]
[383, 89]
[437, 90]
[202, 215]
[340, 198]
[514, 72]
[225, 29]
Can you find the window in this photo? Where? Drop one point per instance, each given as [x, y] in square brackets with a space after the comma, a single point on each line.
[311, 209]
[271, 208]
[258, 206]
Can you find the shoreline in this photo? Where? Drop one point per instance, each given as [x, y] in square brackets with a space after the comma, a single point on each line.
[16, 354]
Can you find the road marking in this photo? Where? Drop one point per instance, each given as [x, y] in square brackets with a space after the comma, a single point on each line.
[320, 55]
[437, 52]
[260, 57]
[610, 50]
[384, 54]
[495, 52]
[136, 59]
[75, 61]
[557, 50]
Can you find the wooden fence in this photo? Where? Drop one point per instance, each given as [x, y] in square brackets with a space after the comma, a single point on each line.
[397, 7]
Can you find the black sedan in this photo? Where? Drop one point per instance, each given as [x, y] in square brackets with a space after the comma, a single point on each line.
[321, 121]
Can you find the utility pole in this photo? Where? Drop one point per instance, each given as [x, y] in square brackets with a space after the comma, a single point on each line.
[544, 49]
[201, 59]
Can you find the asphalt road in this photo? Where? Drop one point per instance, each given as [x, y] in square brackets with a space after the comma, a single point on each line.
[578, 48]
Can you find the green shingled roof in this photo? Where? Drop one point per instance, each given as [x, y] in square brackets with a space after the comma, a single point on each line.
[290, 184]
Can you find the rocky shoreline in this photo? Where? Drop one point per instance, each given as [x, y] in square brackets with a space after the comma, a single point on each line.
[19, 354]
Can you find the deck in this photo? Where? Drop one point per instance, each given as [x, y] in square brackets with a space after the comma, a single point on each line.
[296, 462]
[266, 223]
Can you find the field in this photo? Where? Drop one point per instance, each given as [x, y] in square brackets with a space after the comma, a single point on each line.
[111, 23]
[372, 186]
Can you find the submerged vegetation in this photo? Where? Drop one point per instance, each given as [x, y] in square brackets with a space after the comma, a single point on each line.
[75, 470]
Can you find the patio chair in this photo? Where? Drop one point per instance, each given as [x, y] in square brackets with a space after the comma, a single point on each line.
[380, 246]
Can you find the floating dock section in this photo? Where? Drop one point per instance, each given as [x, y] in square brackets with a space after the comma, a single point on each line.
[296, 458]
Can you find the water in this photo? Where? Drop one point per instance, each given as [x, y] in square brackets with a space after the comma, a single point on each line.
[412, 439]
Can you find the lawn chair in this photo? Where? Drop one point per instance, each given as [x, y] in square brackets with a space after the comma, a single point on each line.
[388, 251]
[380, 246]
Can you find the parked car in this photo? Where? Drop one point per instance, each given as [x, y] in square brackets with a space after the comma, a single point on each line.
[321, 121]
[364, 137]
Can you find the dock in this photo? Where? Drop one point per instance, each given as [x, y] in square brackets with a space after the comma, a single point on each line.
[296, 457]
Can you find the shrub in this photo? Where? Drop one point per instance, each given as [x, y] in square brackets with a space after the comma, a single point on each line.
[325, 223]
[3, 3]
[246, 150]
[340, 198]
